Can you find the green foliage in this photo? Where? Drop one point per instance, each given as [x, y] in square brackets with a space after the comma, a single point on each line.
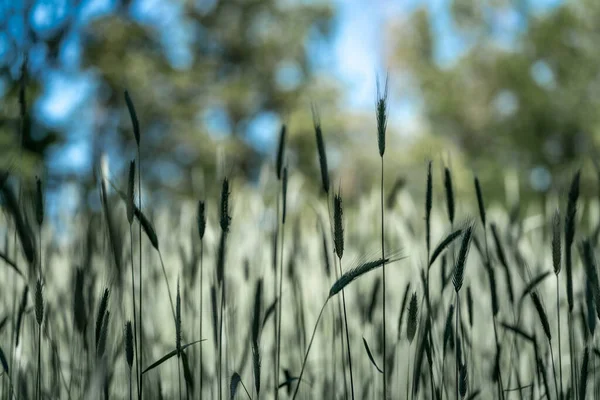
[528, 101]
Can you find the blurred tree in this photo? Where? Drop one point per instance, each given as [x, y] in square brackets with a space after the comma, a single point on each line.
[197, 71]
[523, 90]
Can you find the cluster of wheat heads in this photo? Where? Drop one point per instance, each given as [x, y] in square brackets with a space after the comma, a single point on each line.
[258, 296]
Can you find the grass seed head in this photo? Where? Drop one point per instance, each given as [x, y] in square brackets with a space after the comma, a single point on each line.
[280, 151]
[480, 203]
[537, 302]
[39, 303]
[556, 250]
[134, 118]
[381, 114]
[129, 344]
[413, 311]
[102, 310]
[461, 260]
[321, 150]
[225, 220]
[338, 225]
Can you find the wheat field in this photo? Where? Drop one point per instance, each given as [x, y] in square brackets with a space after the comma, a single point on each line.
[269, 290]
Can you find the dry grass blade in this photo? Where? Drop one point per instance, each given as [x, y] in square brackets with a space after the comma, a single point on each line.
[403, 308]
[23, 229]
[325, 249]
[480, 203]
[413, 311]
[428, 206]
[284, 185]
[187, 372]
[178, 321]
[321, 149]
[373, 303]
[502, 258]
[371, 356]
[449, 194]
[584, 373]
[533, 283]
[470, 306]
[169, 355]
[134, 118]
[257, 310]
[556, 250]
[113, 234]
[570, 234]
[518, 331]
[213, 302]
[537, 302]
[589, 261]
[101, 346]
[79, 310]
[256, 332]
[423, 348]
[443, 245]
[4, 362]
[20, 314]
[11, 264]
[498, 243]
[448, 328]
[493, 293]
[3, 322]
[233, 385]
[463, 381]
[591, 307]
[269, 312]
[399, 184]
[221, 251]
[147, 227]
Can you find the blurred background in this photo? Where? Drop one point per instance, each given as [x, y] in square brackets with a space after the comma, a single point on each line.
[495, 87]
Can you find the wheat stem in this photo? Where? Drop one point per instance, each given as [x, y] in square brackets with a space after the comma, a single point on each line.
[201, 308]
[308, 349]
[559, 339]
[137, 382]
[347, 334]
[140, 299]
[383, 268]
[279, 315]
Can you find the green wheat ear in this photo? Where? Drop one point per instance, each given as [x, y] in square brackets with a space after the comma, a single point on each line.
[381, 114]
[129, 344]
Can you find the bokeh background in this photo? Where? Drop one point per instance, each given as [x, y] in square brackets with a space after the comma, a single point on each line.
[496, 87]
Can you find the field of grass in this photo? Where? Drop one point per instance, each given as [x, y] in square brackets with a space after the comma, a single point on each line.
[268, 291]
